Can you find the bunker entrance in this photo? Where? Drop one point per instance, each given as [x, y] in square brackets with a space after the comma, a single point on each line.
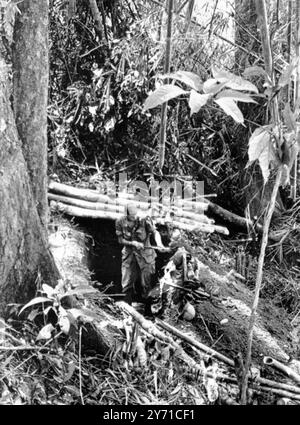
[104, 254]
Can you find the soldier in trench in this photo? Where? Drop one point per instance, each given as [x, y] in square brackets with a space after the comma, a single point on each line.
[138, 256]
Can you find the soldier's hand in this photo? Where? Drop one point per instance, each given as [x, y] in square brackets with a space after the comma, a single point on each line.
[138, 245]
[163, 249]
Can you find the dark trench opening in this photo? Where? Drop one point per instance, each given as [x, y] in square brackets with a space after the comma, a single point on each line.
[104, 254]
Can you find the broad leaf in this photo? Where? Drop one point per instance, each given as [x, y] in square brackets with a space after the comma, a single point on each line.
[233, 81]
[197, 100]
[235, 95]
[45, 332]
[162, 94]
[37, 300]
[212, 86]
[189, 78]
[64, 324]
[261, 149]
[48, 290]
[230, 108]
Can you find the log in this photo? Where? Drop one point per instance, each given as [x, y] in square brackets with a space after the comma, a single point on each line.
[98, 206]
[74, 192]
[238, 220]
[116, 205]
[114, 215]
[82, 212]
[283, 368]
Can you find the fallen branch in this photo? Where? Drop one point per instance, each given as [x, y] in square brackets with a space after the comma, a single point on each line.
[195, 343]
[238, 220]
[283, 368]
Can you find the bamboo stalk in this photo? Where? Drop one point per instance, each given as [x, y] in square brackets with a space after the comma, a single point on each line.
[115, 215]
[118, 206]
[195, 343]
[122, 199]
[98, 206]
[296, 97]
[163, 124]
[83, 212]
[267, 383]
[283, 368]
[258, 283]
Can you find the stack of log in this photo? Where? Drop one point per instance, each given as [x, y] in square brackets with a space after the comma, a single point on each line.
[79, 202]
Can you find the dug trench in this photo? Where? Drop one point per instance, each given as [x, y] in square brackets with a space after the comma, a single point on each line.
[88, 251]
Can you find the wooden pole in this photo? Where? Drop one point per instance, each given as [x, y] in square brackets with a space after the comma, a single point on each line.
[163, 123]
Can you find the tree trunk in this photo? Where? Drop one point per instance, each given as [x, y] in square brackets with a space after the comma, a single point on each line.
[24, 253]
[30, 90]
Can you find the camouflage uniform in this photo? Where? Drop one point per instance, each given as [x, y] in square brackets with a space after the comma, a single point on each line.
[136, 263]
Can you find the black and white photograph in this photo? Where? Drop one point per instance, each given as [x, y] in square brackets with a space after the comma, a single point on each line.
[149, 207]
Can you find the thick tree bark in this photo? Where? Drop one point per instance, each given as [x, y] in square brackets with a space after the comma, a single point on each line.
[30, 90]
[23, 248]
[24, 254]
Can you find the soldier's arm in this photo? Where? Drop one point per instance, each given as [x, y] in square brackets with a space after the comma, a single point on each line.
[125, 242]
[152, 229]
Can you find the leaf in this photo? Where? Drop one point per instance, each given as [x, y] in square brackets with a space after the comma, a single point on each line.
[64, 324]
[287, 73]
[45, 332]
[48, 290]
[212, 86]
[235, 95]
[197, 100]
[253, 71]
[212, 390]
[78, 291]
[189, 78]
[37, 300]
[288, 117]
[261, 149]
[71, 370]
[233, 81]
[141, 352]
[162, 94]
[230, 108]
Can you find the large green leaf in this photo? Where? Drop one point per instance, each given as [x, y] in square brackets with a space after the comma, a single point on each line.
[197, 100]
[235, 95]
[233, 81]
[230, 108]
[162, 94]
[189, 78]
[261, 149]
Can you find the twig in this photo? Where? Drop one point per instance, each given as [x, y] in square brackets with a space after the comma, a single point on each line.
[79, 366]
